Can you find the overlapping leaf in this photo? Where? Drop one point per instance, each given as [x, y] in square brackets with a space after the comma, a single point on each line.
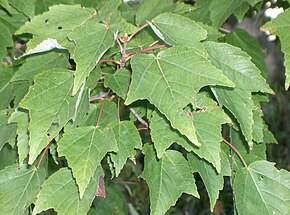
[163, 178]
[109, 12]
[37, 64]
[119, 82]
[262, 189]
[128, 139]
[84, 148]
[212, 180]
[19, 187]
[178, 75]
[251, 46]
[7, 131]
[10, 91]
[236, 65]
[208, 132]
[257, 153]
[56, 23]
[87, 54]
[280, 27]
[52, 194]
[49, 102]
[178, 30]
[21, 118]
[6, 40]
[25, 7]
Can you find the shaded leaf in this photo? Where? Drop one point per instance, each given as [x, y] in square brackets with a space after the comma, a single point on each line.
[128, 139]
[25, 7]
[262, 189]
[10, 92]
[163, 178]
[52, 194]
[7, 131]
[109, 115]
[6, 40]
[257, 153]
[280, 26]
[84, 148]
[53, 85]
[179, 74]
[21, 119]
[19, 187]
[212, 180]
[114, 203]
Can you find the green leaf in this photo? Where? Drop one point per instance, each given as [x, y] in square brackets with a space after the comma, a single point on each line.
[262, 189]
[241, 105]
[10, 92]
[36, 64]
[52, 194]
[151, 8]
[237, 66]
[280, 26]
[178, 30]
[49, 103]
[92, 40]
[208, 132]
[201, 12]
[128, 139]
[213, 181]
[108, 10]
[251, 46]
[84, 148]
[25, 7]
[58, 22]
[14, 20]
[179, 74]
[22, 119]
[164, 179]
[5, 4]
[114, 203]
[7, 131]
[109, 115]
[222, 9]
[258, 152]
[119, 82]
[6, 40]
[19, 187]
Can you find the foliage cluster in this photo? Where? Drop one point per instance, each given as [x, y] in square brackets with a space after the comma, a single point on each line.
[157, 86]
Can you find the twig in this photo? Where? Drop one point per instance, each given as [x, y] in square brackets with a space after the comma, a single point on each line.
[147, 49]
[141, 129]
[155, 42]
[109, 60]
[142, 121]
[137, 30]
[238, 153]
[223, 30]
[106, 24]
[101, 108]
[127, 182]
[42, 156]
